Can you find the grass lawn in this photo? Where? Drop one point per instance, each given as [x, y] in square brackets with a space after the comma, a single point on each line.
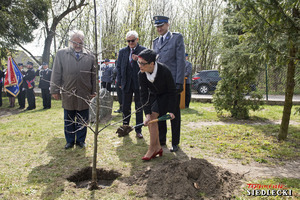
[34, 164]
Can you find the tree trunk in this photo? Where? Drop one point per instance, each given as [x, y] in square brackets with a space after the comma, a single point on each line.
[47, 46]
[289, 92]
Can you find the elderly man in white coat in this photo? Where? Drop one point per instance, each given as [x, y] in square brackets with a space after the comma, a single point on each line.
[74, 78]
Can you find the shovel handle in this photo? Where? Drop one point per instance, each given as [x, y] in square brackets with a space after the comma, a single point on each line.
[162, 118]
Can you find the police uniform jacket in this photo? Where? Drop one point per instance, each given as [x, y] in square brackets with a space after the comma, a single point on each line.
[77, 77]
[188, 72]
[29, 78]
[162, 89]
[127, 71]
[45, 78]
[172, 53]
[107, 73]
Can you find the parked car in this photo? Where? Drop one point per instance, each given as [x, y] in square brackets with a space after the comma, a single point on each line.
[205, 81]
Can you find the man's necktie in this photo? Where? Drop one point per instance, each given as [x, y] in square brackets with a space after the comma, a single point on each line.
[77, 55]
[162, 40]
[130, 55]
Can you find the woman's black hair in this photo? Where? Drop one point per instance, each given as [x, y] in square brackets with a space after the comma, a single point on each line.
[148, 55]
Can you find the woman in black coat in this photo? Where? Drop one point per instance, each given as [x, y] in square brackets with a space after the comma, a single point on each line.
[158, 92]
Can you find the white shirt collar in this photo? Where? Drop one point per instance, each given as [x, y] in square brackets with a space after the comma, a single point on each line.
[165, 35]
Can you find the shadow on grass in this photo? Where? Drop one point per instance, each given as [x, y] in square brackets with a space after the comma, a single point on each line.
[189, 111]
[131, 153]
[252, 120]
[53, 174]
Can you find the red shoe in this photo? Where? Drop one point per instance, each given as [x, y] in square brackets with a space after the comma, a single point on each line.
[160, 153]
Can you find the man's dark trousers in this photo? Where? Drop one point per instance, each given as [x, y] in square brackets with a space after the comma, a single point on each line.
[175, 125]
[127, 100]
[187, 95]
[74, 127]
[21, 98]
[46, 98]
[30, 98]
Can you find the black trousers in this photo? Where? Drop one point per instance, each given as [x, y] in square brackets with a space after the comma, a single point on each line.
[0, 95]
[30, 98]
[46, 98]
[106, 85]
[127, 100]
[187, 95]
[21, 98]
[175, 125]
[119, 94]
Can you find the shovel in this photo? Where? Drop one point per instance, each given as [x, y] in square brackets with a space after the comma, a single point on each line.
[126, 129]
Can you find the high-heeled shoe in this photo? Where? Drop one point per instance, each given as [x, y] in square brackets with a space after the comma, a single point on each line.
[160, 153]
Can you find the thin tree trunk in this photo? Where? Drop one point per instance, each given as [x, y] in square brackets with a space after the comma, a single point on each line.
[94, 184]
[47, 46]
[289, 92]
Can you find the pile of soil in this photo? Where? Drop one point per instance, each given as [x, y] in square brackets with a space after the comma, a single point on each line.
[193, 179]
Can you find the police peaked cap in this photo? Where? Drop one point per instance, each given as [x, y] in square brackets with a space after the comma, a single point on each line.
[29, 63]
[160, 20]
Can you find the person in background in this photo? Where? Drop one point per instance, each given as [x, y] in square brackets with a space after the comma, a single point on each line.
[157, 94]
[74, 78]
[118, 89]
[107, 75]
[188, 75]
[29, 86]
[1, 85]
[128, 79]
[170, 48]
[45, 76]
[22, 93]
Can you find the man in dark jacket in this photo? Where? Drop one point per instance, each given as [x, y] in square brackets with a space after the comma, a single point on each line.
[188, 75]
[45, 76]
[29, 85]
[1, 84]
[22, 93]
[128, 78]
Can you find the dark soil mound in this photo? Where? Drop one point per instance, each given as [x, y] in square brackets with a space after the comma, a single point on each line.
[193, 179]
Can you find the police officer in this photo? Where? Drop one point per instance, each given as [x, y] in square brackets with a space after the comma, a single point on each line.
[45, 76]
[22, 93]
[188, 75]
[29, 85]
[107, 75]
[170, 48]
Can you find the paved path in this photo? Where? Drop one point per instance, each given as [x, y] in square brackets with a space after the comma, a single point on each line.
[272, 99]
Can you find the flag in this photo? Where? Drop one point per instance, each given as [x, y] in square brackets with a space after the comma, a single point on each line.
[13, 78]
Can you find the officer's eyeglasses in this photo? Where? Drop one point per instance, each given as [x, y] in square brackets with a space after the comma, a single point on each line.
[131, 40]
[142, 64]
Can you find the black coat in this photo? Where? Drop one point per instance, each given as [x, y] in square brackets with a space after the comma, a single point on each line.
[128, 72]
[29, 78]
[163, 89]
[45, 77]
[1, 80]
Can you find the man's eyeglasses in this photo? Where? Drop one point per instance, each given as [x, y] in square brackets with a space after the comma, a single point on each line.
[142, 64]
[131, 40]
